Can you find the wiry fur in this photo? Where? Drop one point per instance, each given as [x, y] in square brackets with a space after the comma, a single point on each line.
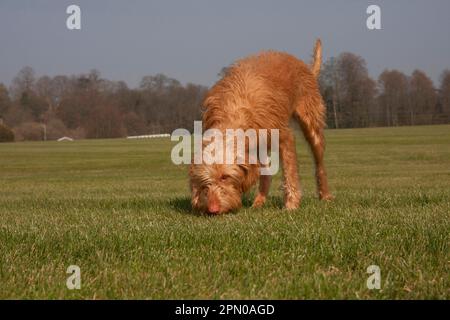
[262, 92]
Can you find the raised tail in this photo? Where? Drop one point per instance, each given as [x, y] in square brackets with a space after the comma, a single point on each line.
[317, 58]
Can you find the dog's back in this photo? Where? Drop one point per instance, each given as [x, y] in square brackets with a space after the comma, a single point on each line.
[264, 87]
[281, 70]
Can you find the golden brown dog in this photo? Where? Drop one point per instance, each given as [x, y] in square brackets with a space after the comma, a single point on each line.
[262, 92]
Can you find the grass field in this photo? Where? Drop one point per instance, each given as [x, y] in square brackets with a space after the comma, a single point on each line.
[119, 209]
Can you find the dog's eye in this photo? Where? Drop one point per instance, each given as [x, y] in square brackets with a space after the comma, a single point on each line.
[224, 177]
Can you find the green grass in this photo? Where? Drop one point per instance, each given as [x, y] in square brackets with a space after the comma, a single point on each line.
[120, 210]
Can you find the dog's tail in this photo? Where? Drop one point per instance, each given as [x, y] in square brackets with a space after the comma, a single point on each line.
[317, 58]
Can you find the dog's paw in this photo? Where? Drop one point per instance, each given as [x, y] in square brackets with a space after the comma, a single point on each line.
[292, 200]
[327, 197]
[259, 201]
[292, 204]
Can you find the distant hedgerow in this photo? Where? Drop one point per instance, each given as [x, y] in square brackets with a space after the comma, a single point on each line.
[6, 134]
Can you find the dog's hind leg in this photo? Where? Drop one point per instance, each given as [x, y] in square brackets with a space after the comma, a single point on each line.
[310, 113]
[264, 186]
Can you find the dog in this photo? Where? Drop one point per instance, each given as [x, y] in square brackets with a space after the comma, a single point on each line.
[262, 91]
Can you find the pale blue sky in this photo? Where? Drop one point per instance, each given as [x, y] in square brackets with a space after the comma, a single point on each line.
[192, 40]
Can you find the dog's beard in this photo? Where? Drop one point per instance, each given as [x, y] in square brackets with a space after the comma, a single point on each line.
[217, 188]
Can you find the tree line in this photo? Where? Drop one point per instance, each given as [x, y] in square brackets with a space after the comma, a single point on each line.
[354, 99]
[88, 106]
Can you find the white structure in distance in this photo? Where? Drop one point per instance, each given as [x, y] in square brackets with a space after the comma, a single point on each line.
[150, 136]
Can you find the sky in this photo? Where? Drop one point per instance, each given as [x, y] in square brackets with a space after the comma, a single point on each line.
[192, 40]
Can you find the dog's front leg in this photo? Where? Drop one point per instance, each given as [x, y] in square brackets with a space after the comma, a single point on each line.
[292, 195]
[264, 186]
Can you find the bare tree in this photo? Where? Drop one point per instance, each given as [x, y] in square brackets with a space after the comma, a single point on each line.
[394, 99]
[105, 122]
[444, 96]
[5, 101]
[134, 124]
[23, 82]
[329, 86]
[422, 98]
[349, 90]
[158, 83]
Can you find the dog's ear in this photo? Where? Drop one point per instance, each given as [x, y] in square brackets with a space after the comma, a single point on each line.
[250, 176]
[195, 198]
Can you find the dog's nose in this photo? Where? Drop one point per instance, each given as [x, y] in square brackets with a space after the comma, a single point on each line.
[213, 208]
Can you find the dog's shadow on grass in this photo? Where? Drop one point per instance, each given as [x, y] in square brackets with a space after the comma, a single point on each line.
[183, 205]
[180, 204]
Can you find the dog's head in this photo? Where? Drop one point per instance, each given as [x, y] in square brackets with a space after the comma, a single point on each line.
[218, 188]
